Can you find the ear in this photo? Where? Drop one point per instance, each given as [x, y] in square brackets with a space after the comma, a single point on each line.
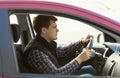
[44, 30]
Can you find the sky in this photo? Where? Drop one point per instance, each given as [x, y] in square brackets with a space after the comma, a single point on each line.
[110, 8]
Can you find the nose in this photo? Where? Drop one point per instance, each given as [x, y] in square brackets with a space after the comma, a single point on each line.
[57, 30]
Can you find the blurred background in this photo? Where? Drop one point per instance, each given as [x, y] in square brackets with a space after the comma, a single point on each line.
[77, 29]
[109, 8]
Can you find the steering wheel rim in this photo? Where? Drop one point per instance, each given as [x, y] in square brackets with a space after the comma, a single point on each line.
[90, 44]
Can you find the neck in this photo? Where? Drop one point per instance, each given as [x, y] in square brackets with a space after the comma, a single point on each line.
[45, 38]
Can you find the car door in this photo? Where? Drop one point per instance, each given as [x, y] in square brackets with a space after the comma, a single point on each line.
[23, 14]
[8, 62]
[25, 17]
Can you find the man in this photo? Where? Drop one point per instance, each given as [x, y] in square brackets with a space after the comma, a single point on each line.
[41, 54]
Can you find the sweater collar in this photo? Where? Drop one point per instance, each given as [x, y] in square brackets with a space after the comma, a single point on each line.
[50, 46]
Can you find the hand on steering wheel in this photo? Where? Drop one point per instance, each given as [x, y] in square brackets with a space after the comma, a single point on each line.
[90, 45]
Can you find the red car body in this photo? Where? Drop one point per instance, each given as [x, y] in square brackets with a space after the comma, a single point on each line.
[59, 7]
[8, 62]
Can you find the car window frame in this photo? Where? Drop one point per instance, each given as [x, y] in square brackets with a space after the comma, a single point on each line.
[6, 46]
[12, 11]
[96, 25]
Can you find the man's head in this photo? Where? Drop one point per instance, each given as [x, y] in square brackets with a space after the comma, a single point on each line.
[46, 27]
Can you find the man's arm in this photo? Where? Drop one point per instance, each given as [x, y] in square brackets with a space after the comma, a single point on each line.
[42, 63]
[63, 51]
[72, 48]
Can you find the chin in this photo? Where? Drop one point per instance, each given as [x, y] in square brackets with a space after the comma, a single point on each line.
[55, 38]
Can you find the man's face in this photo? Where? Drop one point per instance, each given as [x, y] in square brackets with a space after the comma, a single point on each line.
[51, 31]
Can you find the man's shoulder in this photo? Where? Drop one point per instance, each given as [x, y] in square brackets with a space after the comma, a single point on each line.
[33, 44]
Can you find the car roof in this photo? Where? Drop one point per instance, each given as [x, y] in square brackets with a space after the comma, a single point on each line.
[60, 7]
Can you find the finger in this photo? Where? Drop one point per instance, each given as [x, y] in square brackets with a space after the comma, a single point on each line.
[89, 50]
[89, 55]
[87, 40]
[89, 36]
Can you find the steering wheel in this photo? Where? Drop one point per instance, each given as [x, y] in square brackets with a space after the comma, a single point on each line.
[90, 44]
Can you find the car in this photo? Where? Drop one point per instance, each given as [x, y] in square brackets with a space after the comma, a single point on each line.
[75, 22]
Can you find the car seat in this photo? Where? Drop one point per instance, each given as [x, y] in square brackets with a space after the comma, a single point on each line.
[16, 31]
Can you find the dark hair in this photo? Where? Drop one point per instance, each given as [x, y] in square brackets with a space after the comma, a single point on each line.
[42, 21]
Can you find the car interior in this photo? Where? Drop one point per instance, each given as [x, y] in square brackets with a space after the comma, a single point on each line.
[107, 55]
[16, 32]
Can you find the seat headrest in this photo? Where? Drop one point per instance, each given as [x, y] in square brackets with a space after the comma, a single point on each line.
[16, 32]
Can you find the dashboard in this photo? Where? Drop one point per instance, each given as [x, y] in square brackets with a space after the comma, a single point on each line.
[110, 59]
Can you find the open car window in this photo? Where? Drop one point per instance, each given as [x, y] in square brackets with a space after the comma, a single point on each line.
[71, 30]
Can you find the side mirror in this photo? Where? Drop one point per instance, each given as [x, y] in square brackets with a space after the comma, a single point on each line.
[100, 38]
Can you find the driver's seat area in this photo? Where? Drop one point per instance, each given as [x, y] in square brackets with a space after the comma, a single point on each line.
[16, 32]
